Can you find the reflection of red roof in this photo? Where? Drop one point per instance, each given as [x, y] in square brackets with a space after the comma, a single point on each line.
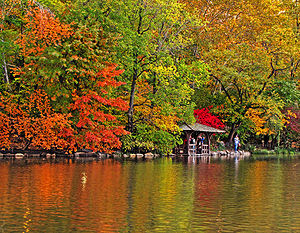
[200, 128]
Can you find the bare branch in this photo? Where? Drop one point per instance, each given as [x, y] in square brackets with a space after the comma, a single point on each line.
[223, 87]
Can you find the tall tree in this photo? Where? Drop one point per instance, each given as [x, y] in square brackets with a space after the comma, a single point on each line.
[154, 37]
[66, 61]
[246, 46]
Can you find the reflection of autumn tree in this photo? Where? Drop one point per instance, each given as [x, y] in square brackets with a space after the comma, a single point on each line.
[268, 194]
[49, 180]
[101, 204]
[258, 179]
[290, 182]
[208, 190]
[160, 197]
[4, 174]
[154, 196]
[14, 197]
[207, 183]
[61, 203]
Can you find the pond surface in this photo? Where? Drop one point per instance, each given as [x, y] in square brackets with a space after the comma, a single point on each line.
[163, 195]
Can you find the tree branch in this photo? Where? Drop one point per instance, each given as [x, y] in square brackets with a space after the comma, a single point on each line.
[265, 83]
[223, 87]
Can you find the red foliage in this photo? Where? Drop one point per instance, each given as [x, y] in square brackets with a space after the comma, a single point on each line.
[97, 128]
[90, 119]
[32, 121]
[293, 118]
[203, 116]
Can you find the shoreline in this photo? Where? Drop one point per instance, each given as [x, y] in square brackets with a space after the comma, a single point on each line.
[139, 156]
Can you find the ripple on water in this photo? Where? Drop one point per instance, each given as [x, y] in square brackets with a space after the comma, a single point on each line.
[153, 196]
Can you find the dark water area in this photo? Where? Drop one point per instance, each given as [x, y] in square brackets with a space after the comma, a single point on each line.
[164, 195]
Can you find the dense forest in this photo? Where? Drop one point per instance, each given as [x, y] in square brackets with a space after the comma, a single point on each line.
[109, 75]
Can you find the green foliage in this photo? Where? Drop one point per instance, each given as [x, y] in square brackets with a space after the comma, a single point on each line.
[262, 151]
[176, 57]
[249, 147]
[290, 151]
[253, 63]
[287, 91]
[53, 5]
[152, 36]
[148, 139]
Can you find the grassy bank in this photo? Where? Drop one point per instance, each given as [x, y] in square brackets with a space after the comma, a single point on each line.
[274, 154]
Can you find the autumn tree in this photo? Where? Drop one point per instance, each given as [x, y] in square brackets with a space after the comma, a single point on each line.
[32, 123]
[10, 29]
[67, 61]
[153, 37]
[80, 80]
[290, 136]
[203, 116]
[247, 49]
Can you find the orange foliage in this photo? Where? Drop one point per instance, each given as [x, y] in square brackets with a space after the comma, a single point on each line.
[42, 29]
[33, 122]
[97, 128]
[255, 115]
[4, 132]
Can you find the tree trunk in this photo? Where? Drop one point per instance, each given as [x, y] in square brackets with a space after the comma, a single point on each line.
[232, 132]
[131, 100]
[154, 88]
[266, 141]
[5, 70]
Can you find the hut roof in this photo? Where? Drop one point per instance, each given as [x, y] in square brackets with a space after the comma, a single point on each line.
[200, 128]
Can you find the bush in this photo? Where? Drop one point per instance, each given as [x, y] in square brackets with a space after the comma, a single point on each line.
[250, 148]
[284, 151]
[261, 151]
[221, 146]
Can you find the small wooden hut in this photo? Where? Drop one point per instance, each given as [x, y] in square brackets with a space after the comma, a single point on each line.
[196, 139]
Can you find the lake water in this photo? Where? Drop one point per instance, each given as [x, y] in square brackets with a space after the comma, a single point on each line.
[163, 195]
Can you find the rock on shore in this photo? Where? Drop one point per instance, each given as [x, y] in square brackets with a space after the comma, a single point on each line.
[230, 154]
[79, 154]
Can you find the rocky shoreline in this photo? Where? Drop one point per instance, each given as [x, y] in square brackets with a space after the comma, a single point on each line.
[117, 155]
[21, 155]
[228, 153]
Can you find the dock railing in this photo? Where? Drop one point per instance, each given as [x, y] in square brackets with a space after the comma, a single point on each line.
[204, 149]
[192, 149]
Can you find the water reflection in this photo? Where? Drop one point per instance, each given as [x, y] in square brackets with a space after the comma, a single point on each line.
[190, 195]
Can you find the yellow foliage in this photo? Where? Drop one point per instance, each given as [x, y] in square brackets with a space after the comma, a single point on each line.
[154, 114]
[258, 120]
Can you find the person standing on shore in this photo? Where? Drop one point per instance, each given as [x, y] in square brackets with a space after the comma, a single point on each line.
[236, 143]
